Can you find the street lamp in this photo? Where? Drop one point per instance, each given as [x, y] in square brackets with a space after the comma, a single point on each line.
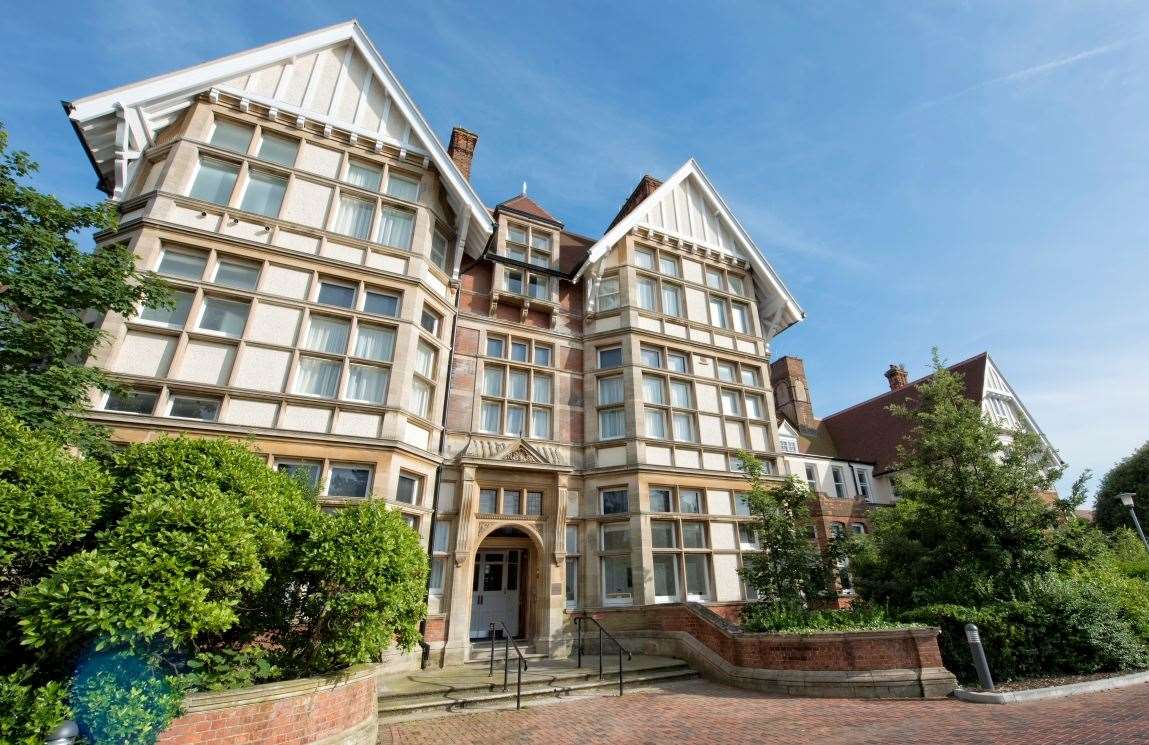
[1127, 500]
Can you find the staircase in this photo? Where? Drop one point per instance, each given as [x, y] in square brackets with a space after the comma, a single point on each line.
[468, 687]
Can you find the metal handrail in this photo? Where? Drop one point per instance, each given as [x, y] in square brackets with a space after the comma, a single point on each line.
[521, 663]
[578, 623]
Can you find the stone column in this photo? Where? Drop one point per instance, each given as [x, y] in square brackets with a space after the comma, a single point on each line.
[459, 628]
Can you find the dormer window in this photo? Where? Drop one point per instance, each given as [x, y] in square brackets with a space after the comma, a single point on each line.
[530, 245]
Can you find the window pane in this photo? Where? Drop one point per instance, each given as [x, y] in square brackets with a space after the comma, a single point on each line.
[671, 300]
[492, 417]
[610, 357]
[440, 535]
[651, 357]
[676, 362]
[172, 317]
[610, 390]
[616, 537]
[408, 489]
[278, 149]
[366, 383]
[680, 394]
[644, 258]
[541, 391]
[718, 312]
[749, 376]
[668, 265]
[653, 390]
[519, 351]
[731, 404]
[439, 251]
[403, 188]
[538, 287]
[737, 285]
[349, 481]
[616, 578]
[232, 135]
[379, 303]
[741, 318]
[317, 377]
[726, 372]
[690, 500]
[327, 335]
[517, 234]
[516, 420]
[534, 503]
[518, 385]
[714, 279]
[421, 397]
[540, 241]
[572, 582]
[375, 342]
[132, 402]
[697, 574]
[214, 181]
[425, 359]
[746, 537]
[488, 501]
[610, 424]
[242, 275]
[572, 539]
[608, 293]
[495, 347]
[666, 575]
[513, 282]
[493, 380]
[541, 423]
[307, 471]
[660, 500]
[754, 407]
[542, 355]
[264, 193]
[662, 534]
[656, 423]
[185, 264]
[438, 572]
[226, 316]
[396, 228]
[644, 293]
[512, 502]
[693, 535]
[364, 175]
[614, 501]
[355, 217]
[190, 407]
[340, 296]
[741, 504]
[684, 428]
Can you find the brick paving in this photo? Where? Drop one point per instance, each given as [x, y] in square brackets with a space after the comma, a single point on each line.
[704, 712]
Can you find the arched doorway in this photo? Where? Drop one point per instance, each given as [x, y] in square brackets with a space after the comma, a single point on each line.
[504, 584]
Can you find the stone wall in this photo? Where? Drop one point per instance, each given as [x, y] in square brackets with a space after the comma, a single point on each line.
[903, 663]
[312, 711]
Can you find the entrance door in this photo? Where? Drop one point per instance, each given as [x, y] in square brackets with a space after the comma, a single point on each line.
[495, 593]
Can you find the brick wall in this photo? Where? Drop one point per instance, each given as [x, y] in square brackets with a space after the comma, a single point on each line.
[436, 629]
[293, 712]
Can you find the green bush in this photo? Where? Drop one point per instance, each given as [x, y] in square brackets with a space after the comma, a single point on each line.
[29, 711]
[124, 697]
[225, 669]
[777, 617]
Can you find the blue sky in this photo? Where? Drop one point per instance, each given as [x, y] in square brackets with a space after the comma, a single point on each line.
[968, 175]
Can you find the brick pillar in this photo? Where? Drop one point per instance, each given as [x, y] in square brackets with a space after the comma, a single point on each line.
[462, 150]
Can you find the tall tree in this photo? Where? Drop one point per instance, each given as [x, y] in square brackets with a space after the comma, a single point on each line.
[971, 524]
[47, 286]
[1130, 475]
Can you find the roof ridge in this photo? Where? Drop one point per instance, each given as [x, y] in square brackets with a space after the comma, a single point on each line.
[910, 384]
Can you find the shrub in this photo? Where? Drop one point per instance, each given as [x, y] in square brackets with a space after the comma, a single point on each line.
[124, 697]
[29, 711]
[225, 669]
[772, 617]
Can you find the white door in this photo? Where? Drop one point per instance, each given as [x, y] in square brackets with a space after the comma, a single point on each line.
[495, 593]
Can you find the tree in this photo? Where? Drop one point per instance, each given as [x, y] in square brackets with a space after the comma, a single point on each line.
[791, 572]
[970, 525]
[47, 286]
[1130, 475]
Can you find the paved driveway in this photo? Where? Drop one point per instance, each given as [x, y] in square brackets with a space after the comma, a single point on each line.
[703, 712]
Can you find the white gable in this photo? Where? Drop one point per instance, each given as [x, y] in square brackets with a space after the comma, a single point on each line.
[686, 212]
[1003, 405]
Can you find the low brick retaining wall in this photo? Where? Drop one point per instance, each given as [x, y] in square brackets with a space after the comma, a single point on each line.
[903, 663]
[340, 708]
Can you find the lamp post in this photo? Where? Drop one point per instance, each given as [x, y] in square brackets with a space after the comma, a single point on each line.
[1127, 500]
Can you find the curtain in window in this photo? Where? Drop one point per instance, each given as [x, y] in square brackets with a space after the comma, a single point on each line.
[684, 428]
[518, 386]
[364, 176]
[375, 343]
[425, 360]
[264, 193]
[516, 420]
[328, 335]
[396, 228]
[653, 391]
[616, 576]
[491, 417]
[680, 394]
[367, 384]
[656, 423]
[542, 389]
[608, 294]
[421, 397]
[493, 381]
[403, 188]
[741, 318]
[609, 390]
[610, 423]
[541, 423]
[317, 377]
[671, 305]
[355, 217]
[645, 294]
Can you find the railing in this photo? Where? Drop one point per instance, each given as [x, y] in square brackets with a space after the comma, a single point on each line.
[579, 621]
[508, 642]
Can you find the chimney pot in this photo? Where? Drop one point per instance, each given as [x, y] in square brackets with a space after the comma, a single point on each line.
[462, 149]
[897, 376]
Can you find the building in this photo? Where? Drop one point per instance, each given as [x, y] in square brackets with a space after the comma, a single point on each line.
[557, 415]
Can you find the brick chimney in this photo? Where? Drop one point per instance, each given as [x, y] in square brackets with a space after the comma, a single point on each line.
[792, 392]
[462, 149]
[897, 377]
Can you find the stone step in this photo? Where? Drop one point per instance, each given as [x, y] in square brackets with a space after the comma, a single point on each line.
[484, 658]
[393, 709]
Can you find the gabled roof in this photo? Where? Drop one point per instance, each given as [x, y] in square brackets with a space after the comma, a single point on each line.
[688, 207]
[333, 76]
[528, 207]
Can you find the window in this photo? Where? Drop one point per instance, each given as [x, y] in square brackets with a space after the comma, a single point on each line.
[396, 227]
[714, 279]
[194, 407]
[278, 149]
[677, 362]
[788, 444]
[837, 531]
[614, 501]
[690, 500]
[747, 537]
[440, 535]
[616, 580]
[718, 315]
[660, 500]
[741, 315]
[616, 536]
[242, 275]
[402, 187]
[214, 181]
[651, 357]
[662, 534]
[174, 317]
[655, 423]
[375, 342]
[364, 175]
[493, 380]
[367, 383]
[858, 528]
[439, 250]
[694, 535]
[609, 357]
[681, 394]
[517, 385]
[349, 481]
[611, 424]
[335, 294]
[839, 482]
[543, 355]
[355, 217]
[438, 572]
[491, 417]
[610, 390]
[750, 376]
[608, 297]
[378, 303]
[228, 317]
[726, 372]
[863, 484]
[731, 402]
[541, 423]
[495, 346]
[665, 568]
[326, 334]
[425, 359]
[697, 576]
[644, 293]
[317, 377]
[668, 265]
[408, 488]
[488, 501]
[741, 504]
[644, 258]
[572, 562]
[132, 401]
[654, 390]
[737, 285]
[182, 264]
[306, 471]
[540, 249]
[812, 477]
[671, 299]
[519, 350]
[264, 193]
[684, 430]
[430, 321]
[513, 282]
[534, 503]
[231, 135]
[516, 420]
[754, 407]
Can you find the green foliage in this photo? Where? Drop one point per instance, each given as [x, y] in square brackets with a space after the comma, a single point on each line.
[124, 697]
[29, 711]
[773, 617]
[1129, 555]
[1130, 475]
[202, 518]
[970, 526]
[1065, 625]
[360, 579]
[47, 288]
[224, 669]
[793, 572]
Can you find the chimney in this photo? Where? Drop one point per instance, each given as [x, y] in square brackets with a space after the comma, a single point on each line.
[792, 392]
[897, 377]
[462, 149]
